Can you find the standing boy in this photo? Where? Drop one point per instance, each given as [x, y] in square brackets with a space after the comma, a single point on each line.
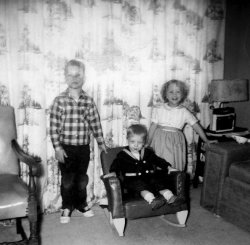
[73, 118]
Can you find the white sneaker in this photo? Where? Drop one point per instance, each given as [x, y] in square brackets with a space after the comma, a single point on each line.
[89, 213]
[86, 213]
[65, 216]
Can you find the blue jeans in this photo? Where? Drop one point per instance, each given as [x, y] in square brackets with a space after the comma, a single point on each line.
[74, 176]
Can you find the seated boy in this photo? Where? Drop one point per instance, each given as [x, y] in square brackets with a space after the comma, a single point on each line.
[138, 167]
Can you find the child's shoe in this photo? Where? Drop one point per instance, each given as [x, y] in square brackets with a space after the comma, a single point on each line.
[157, 203]
[175, 200]
[86, 212]
[171, 199]
[65, 216]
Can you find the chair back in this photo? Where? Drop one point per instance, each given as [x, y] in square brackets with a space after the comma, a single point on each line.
[8, 159]
[108, 158]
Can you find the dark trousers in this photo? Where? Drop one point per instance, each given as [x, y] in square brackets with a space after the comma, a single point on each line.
[74, 176]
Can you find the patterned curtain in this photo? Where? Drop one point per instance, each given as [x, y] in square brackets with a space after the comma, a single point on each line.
[129, 47]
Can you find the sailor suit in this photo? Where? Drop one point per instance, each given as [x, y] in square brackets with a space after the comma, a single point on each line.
[147, 173]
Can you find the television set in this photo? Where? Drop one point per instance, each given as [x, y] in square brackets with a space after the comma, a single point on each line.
[222, 120]
[221, 91]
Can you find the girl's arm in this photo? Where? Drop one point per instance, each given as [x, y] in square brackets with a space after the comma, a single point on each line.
[199, 130]
[112, 174]
[151, 132]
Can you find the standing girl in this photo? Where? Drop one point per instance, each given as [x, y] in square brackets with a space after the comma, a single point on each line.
[166, 131]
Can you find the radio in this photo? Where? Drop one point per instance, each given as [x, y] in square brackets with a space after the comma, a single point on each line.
[222, 119]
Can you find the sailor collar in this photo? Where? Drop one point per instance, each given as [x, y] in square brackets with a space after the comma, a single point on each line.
[130, 154]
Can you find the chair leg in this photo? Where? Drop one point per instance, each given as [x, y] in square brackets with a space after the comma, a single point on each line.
[32, 214]
[33, 239]
[111, 219]
[20, 230]
[182, 217]
[119, 225]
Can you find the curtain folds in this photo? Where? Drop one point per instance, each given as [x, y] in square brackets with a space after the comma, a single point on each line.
[130, 48]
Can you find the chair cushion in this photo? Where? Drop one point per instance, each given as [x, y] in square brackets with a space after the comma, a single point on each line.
[139, 208]
[13, 197]
[8, 159]
[240, 171]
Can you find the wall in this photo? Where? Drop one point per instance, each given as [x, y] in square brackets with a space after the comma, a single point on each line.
[237, 52]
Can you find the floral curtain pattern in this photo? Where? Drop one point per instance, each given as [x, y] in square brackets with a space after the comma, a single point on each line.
[129, 48]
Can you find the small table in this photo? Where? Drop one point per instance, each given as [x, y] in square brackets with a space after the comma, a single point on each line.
[221, 137]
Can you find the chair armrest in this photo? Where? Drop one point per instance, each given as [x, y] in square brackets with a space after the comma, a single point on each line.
[226, 153]
[178, 181]
[32, 162]
[114, 195]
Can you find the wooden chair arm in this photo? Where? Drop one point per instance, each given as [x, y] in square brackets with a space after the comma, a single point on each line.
[178, 182]
[114, 195]
[32, 162]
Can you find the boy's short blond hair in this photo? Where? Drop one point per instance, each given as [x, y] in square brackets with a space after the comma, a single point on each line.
[137, 129]
[74, 63]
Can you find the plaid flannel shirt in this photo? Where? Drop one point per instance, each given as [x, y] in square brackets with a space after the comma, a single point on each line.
[71, 122]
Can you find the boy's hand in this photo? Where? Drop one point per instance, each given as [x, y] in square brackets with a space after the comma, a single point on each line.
[104, 148]
[60, 154]
[170, 169]
[209, 142]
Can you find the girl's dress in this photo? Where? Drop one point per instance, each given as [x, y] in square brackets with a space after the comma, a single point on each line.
[168, 140]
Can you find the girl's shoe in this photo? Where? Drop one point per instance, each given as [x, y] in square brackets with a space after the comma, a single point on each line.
[65, 216]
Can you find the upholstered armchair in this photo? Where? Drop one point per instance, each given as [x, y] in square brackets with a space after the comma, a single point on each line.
[121, 208]
[17, 199]
[226, 184]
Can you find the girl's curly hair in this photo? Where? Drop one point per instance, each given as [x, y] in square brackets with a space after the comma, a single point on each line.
[183, 87]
